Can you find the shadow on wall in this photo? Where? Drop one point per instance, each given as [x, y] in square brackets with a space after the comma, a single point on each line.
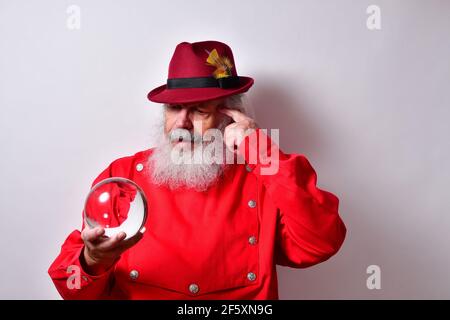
[275, 108]
[344, 275]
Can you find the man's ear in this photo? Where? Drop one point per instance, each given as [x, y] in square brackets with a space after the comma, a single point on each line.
[222, 115]
[228, 120]
[222, 120]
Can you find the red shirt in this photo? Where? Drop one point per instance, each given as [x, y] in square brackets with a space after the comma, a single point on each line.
[223, 243]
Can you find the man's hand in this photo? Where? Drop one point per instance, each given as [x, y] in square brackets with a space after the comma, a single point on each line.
[241, 127]
[101, 252]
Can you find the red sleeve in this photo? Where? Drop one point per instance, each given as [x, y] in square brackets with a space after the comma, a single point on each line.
[71, 281]
[309, 229]
[67, 273]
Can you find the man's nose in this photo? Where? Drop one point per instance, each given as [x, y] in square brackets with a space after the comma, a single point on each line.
[183, 119]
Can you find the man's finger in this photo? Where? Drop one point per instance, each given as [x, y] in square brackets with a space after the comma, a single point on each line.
[236, 115]
[93, 234]
[122, 246]
[112, 242]
[132, 241]
[231, 143]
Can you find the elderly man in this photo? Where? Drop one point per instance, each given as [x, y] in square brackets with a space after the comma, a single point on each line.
[216, 228]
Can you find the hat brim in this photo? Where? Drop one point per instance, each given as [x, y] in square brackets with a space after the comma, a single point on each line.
[189, 95]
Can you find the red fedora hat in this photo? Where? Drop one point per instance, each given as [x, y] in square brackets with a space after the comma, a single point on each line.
[200, 71]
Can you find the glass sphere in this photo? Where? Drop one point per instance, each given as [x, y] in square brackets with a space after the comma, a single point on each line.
[116, 204]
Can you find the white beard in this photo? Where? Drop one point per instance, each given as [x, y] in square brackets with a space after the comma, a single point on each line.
[174, 170]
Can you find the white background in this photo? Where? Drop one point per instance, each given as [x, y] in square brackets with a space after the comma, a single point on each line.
[370, 110]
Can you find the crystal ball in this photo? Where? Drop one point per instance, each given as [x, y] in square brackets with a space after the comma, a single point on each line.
[116, 204]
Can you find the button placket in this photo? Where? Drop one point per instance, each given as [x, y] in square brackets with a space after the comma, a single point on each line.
[252, 241]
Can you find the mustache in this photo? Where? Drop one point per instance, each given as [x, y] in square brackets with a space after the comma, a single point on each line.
[184, 135]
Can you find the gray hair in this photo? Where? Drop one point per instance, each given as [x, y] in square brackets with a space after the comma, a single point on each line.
[235, 102]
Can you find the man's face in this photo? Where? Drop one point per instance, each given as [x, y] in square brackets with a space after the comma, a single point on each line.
[183, 155]
[195, 117]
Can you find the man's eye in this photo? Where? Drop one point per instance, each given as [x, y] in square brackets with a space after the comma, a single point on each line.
[174, 108]
[201, 111]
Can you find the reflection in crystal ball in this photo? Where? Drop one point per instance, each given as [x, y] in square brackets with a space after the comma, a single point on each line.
[116, 204]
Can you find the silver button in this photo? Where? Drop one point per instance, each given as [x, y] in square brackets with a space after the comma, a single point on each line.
[193, 288]
[252, 240]
[251, 276]
[134, 274]
[139, 167]
[252, 203]
[85, 278]
[248, 168]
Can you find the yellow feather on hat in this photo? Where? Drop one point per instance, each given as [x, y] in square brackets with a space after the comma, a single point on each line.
[223, 64]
